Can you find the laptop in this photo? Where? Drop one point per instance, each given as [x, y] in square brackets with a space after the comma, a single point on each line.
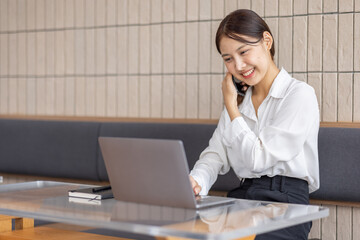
[152, 171]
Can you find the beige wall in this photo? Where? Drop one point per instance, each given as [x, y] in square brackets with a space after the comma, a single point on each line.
[138, 58]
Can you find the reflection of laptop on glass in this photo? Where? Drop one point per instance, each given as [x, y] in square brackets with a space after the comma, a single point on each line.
[151, 171]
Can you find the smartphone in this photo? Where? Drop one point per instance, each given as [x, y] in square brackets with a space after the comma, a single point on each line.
[239, 86]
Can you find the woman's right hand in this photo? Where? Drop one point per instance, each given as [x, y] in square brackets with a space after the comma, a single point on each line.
[195, 186]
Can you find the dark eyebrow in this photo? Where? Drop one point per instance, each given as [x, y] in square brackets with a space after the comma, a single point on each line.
[225, 54]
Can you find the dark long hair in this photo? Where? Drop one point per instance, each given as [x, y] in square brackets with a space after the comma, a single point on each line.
[243, 22]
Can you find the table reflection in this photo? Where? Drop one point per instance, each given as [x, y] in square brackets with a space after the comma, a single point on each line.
[210, 220]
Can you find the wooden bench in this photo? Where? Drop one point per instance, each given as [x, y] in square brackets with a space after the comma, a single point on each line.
[6, 223]
[48, 233]
[25, 230]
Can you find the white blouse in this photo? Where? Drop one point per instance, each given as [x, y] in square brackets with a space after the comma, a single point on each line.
[281, 140]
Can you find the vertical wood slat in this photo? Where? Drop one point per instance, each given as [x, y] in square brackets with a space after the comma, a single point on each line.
[356, 97]
[90, 96]
[168, 48]
[111, 41]
[216, 96]
[168, 96]
[22, 95]
[328, 224]
[4, 15]
[59, 96]
[230, 5]
[271, 8]
[155, 99]
[134, 96]
[79, 11]
[244, 4]
[345, 47]
[204, 47]
[315, 230]
[205, 10]
[357, 40]
[50, 96]
[179, 45]
[330, 43]
[144, 50]
[79, 55]
[330, 6]
[345, 97]
[4, 52]
[40, 96]
[31, 96]
[192, 86]
[3, 95]
[133, 50]
[180, 96]
[273, 24]
[111, 102]
[80, 100]
[356, 223]
[192, 10]
[314, 43]
[13, 96]
[299, 39]
[258, 7]
[344, 223]
[122, 96]
[69, 96]
[100, 96]
[329, 91]
[315, 80]
[144, 99]
[216, 60]
[204, 96]
[285, 43]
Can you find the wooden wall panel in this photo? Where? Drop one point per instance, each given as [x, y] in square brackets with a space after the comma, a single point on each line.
[68, 46]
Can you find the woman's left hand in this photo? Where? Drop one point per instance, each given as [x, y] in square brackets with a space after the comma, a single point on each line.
[230, 96]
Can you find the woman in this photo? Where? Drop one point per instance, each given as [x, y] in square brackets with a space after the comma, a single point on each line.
[269, 136]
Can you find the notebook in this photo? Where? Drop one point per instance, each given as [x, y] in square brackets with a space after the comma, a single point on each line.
[94, 193]
[152, 171]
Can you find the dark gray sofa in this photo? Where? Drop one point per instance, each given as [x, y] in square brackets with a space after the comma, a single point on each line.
[69, 149]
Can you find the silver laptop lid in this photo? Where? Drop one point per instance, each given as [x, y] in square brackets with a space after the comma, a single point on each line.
[149, 171]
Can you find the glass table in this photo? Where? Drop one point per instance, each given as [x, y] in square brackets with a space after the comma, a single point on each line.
[49, 201]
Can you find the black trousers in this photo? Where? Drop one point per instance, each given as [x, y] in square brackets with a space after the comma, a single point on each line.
[277, 189]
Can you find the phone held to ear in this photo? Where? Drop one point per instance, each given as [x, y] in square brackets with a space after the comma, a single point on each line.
[239, 86]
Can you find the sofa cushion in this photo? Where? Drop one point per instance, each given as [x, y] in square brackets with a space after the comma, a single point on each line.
[339, 159]
[194, 136]
[49, 148]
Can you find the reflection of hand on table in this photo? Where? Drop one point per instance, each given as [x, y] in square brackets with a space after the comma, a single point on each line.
[233, 219]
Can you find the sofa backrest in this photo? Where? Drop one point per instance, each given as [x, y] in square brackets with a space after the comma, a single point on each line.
[49, 148]
[70, 149]
[339, 162]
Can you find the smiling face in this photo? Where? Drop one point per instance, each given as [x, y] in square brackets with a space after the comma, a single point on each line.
[249, 63]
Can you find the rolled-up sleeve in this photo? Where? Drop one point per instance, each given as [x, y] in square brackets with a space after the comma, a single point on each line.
[213, 160]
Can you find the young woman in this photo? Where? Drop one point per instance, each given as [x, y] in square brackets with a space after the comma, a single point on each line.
[269, 136]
